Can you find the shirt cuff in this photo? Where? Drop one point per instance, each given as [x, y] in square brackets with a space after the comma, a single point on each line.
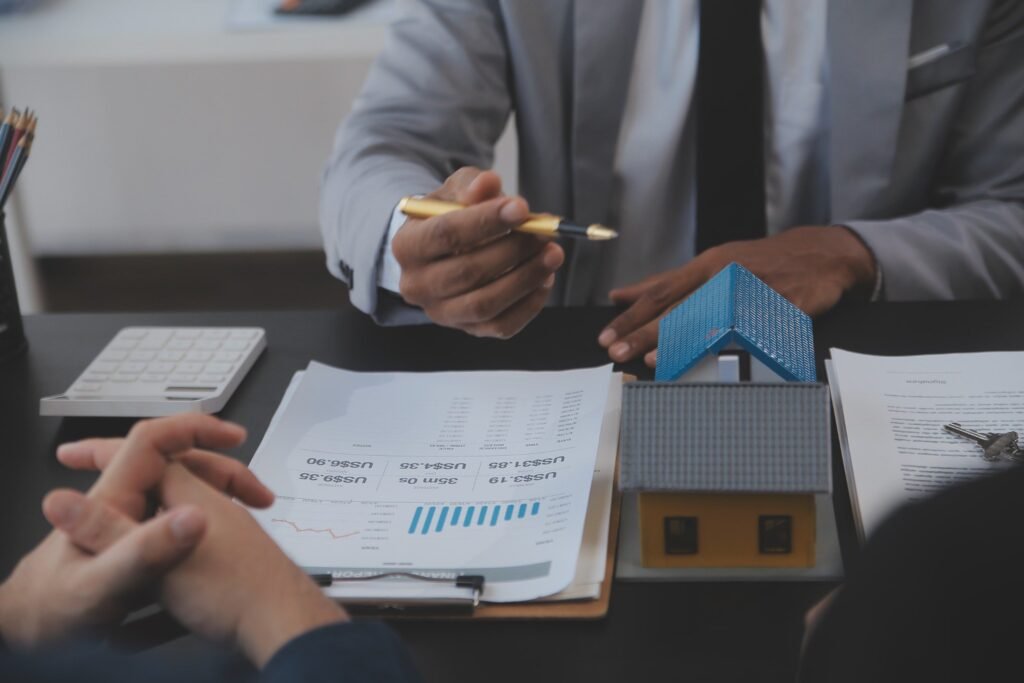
[878, 288]
[876, 291]
[389, 273]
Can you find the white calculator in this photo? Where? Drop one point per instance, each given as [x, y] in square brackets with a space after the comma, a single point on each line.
[156, 371]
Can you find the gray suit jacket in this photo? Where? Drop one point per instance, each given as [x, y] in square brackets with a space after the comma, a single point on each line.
[926, 163]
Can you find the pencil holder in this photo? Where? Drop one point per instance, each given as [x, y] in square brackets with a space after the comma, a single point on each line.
[12, 332]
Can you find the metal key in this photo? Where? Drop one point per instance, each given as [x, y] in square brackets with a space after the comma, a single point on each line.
[995, 445]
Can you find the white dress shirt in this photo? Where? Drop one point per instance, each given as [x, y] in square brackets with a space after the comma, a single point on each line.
[655, 157]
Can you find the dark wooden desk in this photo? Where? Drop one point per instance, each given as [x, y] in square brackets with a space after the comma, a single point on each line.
[653, 632]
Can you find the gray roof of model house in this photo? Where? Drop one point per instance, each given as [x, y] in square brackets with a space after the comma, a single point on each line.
[743, 437]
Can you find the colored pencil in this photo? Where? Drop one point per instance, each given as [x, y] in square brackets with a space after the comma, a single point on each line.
[6, 131]
[16, 132]
[15, 147]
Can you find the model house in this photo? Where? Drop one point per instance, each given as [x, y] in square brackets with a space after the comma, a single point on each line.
[727, 451]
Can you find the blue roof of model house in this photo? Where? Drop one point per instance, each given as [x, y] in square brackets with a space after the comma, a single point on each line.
[735, 307]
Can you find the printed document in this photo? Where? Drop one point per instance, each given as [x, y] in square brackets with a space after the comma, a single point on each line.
[437, 475]
[891, 410]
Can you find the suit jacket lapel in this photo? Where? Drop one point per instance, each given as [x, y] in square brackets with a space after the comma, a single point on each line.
[605, 36]
[868, 46]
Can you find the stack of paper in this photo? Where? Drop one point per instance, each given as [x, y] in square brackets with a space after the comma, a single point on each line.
[507, 475]
[891, 411]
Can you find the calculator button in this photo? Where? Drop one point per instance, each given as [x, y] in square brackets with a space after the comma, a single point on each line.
[190, 368]
[212, 379]
[96, 376]
[235, 345]
[173, 356]
[187, 334]
[208, 344]
[180, 344]
[103, 366]
[133, 367]
[142, 355]
[201, 356]
[227, 356]
[160, 367]
[154, 341]
[124, 377]
[154, 377]
[183, 378]
[218, 368]
[215, 334]
[113, 355]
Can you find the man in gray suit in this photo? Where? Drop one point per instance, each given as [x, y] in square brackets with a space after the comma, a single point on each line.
[891, 164]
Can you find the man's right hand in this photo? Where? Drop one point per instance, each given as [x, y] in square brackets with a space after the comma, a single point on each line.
[467, 269]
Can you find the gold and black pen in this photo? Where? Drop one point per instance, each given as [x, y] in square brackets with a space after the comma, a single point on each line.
[546, 224]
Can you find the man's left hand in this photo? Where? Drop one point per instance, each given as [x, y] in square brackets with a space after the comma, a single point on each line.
[812, 266]
[58, 590]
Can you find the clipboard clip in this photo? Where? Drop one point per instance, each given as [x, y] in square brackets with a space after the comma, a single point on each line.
[474, 582]
[471, 582]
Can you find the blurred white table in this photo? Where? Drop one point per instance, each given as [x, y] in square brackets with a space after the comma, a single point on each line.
[161, 130]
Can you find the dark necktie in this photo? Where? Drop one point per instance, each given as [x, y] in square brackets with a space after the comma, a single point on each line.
[730, 123]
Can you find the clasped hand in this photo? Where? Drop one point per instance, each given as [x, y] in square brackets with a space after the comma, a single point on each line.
[196, 554]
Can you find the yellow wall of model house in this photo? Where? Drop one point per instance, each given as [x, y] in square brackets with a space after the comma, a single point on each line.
[727, 529]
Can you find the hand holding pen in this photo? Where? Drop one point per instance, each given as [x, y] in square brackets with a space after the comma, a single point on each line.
[469, 268]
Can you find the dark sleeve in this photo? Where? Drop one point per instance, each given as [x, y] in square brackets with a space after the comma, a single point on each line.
[90, 662]
[342, 653]
[936, 596]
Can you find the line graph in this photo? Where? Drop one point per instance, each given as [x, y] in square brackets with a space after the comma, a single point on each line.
[303, 530]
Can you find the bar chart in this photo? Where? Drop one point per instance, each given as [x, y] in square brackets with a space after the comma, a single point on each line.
[437, 519]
